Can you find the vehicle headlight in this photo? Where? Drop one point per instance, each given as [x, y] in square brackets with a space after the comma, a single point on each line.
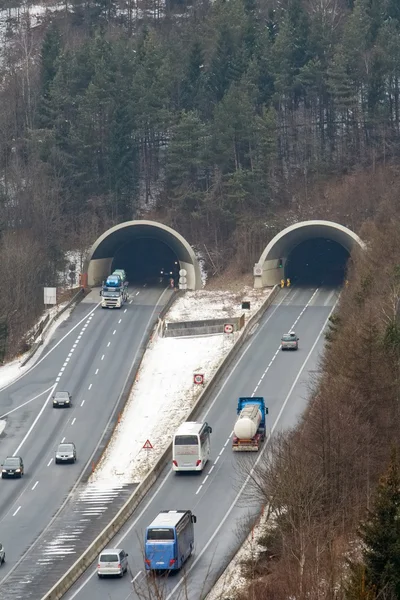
[17, 470]
[66, 402]
[4, 470]
[54, 401]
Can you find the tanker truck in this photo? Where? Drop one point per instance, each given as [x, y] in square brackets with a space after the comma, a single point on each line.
[249, 430]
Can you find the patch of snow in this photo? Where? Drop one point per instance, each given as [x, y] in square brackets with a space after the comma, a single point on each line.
[13, 370]
[2, 425]
[202, 265]
[201, 304]
[164, 392]
[233, 578]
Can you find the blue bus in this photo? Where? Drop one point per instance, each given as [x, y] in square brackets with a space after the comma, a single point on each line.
[169, 540]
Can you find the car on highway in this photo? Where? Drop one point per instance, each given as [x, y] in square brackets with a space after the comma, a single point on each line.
[13, 466]
[63, 399]
[112, 561]
[290, 341]
[2, 554]
[66, 453]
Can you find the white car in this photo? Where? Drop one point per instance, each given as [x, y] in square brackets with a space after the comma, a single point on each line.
[112, 561]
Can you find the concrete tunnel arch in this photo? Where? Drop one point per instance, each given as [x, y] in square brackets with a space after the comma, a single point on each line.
[267, 271]
[100, 257]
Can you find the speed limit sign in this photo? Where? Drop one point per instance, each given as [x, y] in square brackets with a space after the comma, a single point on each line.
[198, 379]
[228, 328]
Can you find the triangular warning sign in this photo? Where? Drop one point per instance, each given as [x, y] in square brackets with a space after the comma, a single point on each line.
[147, 445]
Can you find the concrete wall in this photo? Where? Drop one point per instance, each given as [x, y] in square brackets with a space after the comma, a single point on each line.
[203, 327]
[98, 270]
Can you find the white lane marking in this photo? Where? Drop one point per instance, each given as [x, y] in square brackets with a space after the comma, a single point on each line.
[36, 420]
[18, 509]
[66, 361]
[221, 451]
[125, 310]
[227, 442]
[62, 369]
[137, 293]
[199, 489]
[73, 420]
[74, 346]
[57, 379]
[35, 485]
[261, 453]
[82, 403]
[96, 371]
[102, 358]
[114, 332]
[120, 321]
[108, 344]
[79, 337]
[216, 460]
[90, 386]
[130, 302]
[63, 440]
[136, 576]
[328, 300]
[50, 461]
[204, 480]
[60, 373]
[25, 403]
[50, 351]
[210, 471]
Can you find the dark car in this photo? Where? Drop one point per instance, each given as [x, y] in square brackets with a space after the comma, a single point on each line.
[66, 453]
[13, 466]
[62, 399]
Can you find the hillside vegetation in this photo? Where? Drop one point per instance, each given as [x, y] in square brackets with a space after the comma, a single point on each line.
[226, 120]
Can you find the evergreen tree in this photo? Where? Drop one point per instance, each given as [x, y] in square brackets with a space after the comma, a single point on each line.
[380, 534]
[192, 84]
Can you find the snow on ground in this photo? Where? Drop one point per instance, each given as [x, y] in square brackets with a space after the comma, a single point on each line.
[233, 578]
[164, 393]
[214, 305]
[12, 370]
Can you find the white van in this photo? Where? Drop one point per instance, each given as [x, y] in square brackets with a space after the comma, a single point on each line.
[191, 447]
[112, 561]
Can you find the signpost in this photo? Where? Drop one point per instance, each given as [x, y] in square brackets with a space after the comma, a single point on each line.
[182, 279]
[228, 328]
[198, 379]
[148, 446]
[50, 295]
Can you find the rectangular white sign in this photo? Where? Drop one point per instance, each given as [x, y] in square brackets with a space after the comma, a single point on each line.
[50, 295]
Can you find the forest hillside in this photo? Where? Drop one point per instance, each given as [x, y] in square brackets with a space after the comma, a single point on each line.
[227, 120]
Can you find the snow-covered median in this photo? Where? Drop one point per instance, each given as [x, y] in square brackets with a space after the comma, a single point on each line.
[164, 392]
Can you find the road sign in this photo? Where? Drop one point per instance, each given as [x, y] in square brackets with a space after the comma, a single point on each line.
[147, 445]
[228, 328]
[198, 378]
[50, 295]
[183, 272]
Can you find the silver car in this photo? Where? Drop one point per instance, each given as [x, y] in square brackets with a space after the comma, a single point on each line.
[112, 561]
[2, 554]
[66, 453]
[290, 341]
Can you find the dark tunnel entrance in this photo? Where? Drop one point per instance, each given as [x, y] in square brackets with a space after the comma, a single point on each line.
[147, 260]
[317, 261]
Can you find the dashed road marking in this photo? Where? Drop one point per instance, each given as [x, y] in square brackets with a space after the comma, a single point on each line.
[199, 489]
[204, 480]
[114, 332]
[90, 386]
[102, 358]
[63, 440]
[82, 403]
[108, 344]
[50, 461]
[35, 485]
[120, 321]
[136, 576]
[125, 310]
[96, 371]
[73, 420]
[18, 509]
[216, 460]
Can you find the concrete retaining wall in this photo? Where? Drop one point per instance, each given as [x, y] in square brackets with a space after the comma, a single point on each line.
[88, 557]
[204, 327]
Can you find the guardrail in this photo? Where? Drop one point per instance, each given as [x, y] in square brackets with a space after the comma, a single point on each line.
[36, 345]
[90, 555]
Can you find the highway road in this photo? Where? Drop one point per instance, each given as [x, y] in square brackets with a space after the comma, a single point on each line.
[217, 496]
[90, 355]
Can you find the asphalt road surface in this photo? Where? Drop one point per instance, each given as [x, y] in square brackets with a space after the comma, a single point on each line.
[90, 355]
[219, 496]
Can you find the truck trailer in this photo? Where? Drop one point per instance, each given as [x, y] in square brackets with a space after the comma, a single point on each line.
[249, 429]
[114, 292]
